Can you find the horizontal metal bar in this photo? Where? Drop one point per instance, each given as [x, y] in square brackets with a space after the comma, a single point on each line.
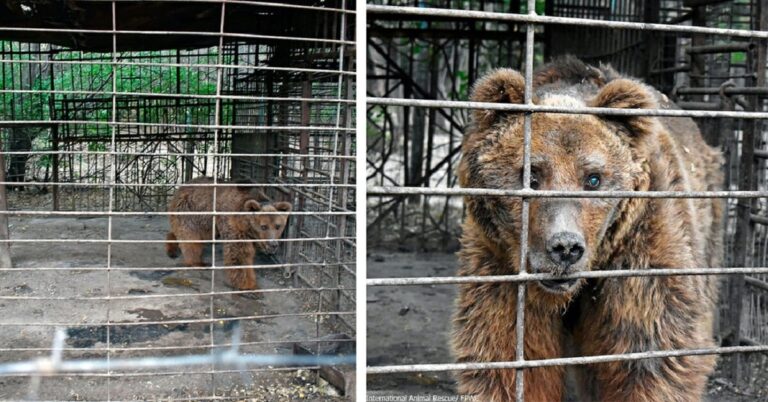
[762, 220]
[72, 184]
[175, 96]
[540, 19]
[165, 213]
[516, 107]
[721, 48]
[305, 264]
[119, 32]
[528, 277]
[228, 358]
[14, 123]
[109, 62]
[754, 282]
[726, 90]
[698, 106]
[701, 3]
[403, 191]
[675, 69]
[163, 241]
[187, 373]
[564, 361]
[240, 2]
[168, 322]
[177, 347]
[156, 154]
[174, 295]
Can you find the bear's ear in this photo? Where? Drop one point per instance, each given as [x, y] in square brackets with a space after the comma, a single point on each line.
[252, 205]
[627, 94]
[283, 206]
[501, 86]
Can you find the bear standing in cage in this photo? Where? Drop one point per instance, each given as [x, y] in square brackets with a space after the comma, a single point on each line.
[579, 317]
[266, 228]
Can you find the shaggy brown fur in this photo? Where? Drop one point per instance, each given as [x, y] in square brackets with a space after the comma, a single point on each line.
[606, 316]
[267, 228]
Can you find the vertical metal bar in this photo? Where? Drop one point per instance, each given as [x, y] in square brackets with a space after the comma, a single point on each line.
[5, 248]
[113, 176]
[744, 233]
[54, 134]
[339, 94]
[55, 166]
[216, 131]
[521, 288]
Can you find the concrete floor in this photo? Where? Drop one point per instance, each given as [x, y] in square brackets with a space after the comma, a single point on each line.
[412, 324]
[36, 303]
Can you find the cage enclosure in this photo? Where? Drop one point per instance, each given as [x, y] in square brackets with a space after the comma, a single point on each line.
[107, 108]
[423, 60]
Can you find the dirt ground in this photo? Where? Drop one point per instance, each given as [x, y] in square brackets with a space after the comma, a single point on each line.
[43, 302]
[411, 324]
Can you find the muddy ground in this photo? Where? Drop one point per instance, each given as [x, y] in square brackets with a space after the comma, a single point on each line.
[39, 298]
[411, 325]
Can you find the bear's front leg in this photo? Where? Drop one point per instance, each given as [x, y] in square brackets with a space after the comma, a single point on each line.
[631, 315]
[240, 254]
[484, 331]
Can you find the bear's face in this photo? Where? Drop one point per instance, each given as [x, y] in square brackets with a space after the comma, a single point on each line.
[267, 227]
[568, 152]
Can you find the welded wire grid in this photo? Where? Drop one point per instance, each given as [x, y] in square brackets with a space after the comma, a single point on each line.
[393, 184]
[105, 113]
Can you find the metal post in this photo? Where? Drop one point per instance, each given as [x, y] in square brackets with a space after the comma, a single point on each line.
[5, 247]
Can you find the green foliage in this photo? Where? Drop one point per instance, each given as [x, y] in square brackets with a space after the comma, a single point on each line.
[95, 79]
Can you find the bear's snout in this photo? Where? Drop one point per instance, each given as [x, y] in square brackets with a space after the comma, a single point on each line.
[271, 246]
[565, 248]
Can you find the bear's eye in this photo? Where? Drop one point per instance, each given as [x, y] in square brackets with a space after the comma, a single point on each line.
[277, 227]
[593, 182]
[534, 183]
[534, 180]
[264, 227]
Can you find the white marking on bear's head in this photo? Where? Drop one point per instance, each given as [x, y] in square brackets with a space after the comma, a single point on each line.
[561, 100]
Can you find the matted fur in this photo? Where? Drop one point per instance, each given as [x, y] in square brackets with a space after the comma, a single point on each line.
[200, 227]
[596, 317]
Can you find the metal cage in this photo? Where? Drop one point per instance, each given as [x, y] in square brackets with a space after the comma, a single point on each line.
[107, 107]
[708, 56]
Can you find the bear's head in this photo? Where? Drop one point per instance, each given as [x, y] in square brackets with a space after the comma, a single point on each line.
[268, 226]
[568, 152]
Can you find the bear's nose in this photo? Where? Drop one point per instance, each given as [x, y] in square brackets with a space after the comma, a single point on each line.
[272, 247]
[565, 248]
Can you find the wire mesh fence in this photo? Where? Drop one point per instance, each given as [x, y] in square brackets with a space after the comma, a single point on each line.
[114, 110]
[707, 57]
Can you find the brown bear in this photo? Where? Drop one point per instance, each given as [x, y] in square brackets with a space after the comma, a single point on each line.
[576, 317]
[266, 227]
